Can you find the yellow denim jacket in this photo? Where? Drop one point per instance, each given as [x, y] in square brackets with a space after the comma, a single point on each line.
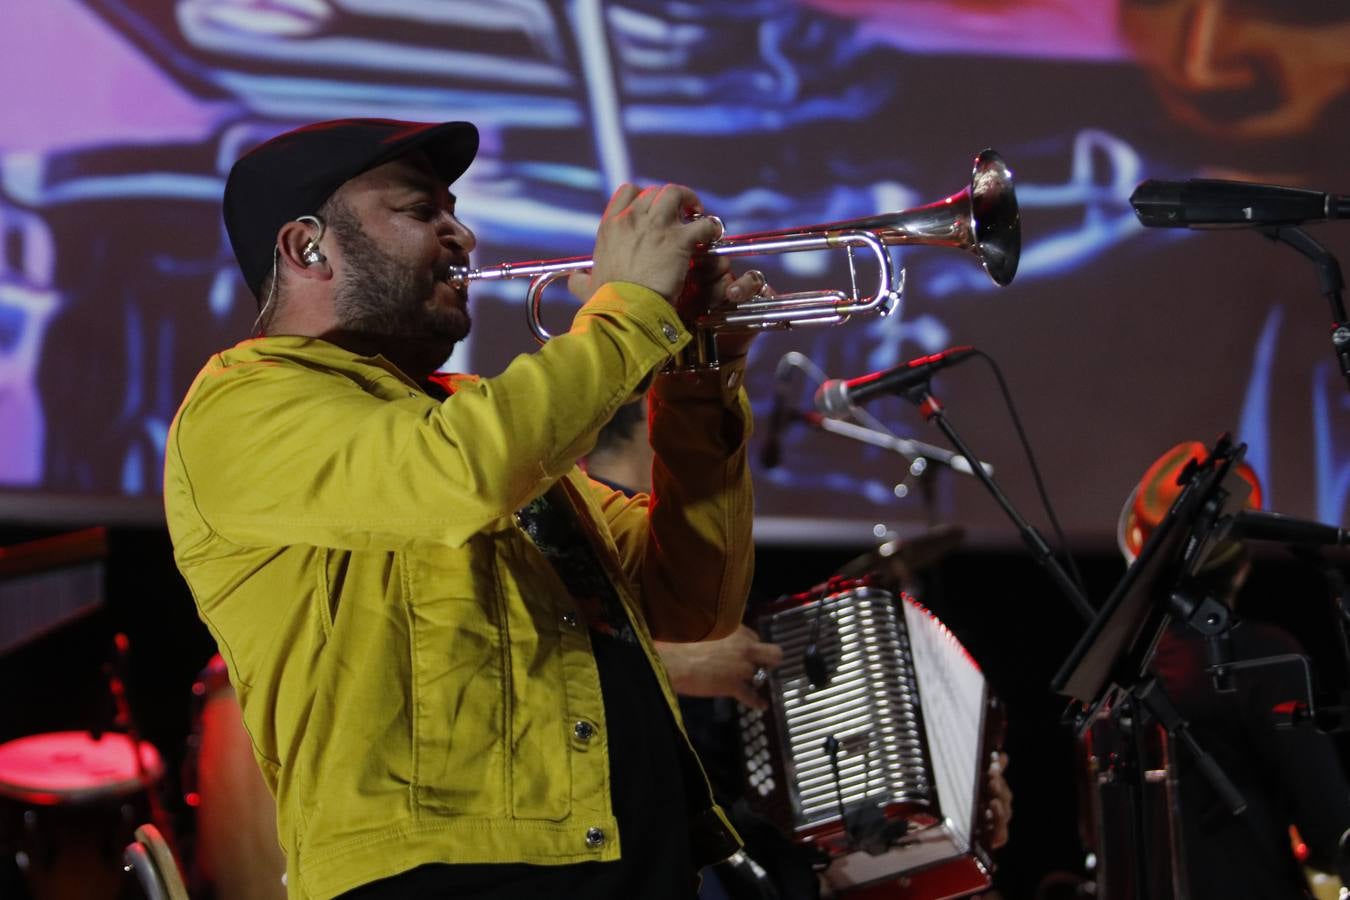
[411, 669]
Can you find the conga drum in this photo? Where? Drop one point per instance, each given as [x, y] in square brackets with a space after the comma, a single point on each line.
[69, 805]
[238, 854]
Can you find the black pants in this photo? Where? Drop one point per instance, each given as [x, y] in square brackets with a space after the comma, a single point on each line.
[502, 882]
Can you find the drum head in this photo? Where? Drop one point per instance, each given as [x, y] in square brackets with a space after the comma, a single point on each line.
[72, 767]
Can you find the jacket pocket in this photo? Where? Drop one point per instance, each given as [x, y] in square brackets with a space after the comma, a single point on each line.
[535, 607]
[332, 577]
[459, 685]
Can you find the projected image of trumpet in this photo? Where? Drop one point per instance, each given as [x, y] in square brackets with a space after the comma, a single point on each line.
[982, 218]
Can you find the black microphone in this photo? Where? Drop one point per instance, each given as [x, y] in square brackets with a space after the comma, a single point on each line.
[1255, 525]
[780, 415]
[1212, 203]
[836, 396]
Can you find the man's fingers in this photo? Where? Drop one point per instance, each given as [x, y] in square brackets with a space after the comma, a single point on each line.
[997, 816]
[750, 284]
[1002, 795]
[719, 229]
[675, 202]
[770, 656]
[749, 696]
[706, 269]
[579, 284]
[647, 237]
[621, 199]
[701, 231]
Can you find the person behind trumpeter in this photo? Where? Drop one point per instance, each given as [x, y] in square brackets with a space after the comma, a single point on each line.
[440, 631]
[1288, 776]
[709, 676]
[726, 668]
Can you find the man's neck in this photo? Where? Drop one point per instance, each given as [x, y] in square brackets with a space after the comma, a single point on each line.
[629, 470]
[415, 358]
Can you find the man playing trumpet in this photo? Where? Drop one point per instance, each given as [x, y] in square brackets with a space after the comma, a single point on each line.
[439, 629]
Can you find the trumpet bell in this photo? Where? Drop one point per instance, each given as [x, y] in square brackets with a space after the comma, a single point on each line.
[996, 217]
[983, 218]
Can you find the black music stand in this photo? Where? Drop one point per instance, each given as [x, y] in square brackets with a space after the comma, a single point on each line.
[1115, 650]
[1111, 661]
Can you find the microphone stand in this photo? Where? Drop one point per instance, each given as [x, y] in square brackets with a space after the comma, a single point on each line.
[922, 396]
[910, 449]
[1329, 280]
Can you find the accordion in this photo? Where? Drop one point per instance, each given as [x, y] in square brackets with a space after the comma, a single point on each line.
[876, 741]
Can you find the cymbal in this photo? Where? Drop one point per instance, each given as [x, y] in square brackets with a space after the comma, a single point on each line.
[896, 563]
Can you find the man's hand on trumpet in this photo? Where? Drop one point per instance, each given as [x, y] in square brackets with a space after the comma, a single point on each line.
[647, 237]
[711, 285]
[652, 237]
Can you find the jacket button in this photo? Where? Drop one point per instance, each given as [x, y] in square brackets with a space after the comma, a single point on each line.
[583, 730]
[594, 837]
[669, 331]
[569, 619]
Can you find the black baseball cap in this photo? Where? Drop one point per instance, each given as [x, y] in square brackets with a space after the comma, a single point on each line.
[292, 175]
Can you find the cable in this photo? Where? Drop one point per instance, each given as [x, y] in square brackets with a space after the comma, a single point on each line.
[1035, 471]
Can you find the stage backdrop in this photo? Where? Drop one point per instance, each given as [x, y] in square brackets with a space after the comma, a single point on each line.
[122, 118]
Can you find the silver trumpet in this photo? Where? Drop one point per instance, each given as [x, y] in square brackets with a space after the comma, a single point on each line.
[982, 218]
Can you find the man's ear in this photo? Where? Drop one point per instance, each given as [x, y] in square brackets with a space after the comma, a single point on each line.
[300, 246]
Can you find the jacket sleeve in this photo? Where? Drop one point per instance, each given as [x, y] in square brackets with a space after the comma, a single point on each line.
[274, 453]
[689, 547]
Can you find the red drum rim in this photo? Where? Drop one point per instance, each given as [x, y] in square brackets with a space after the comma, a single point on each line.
[72, 767]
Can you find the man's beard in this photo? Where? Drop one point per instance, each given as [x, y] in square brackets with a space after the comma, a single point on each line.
[381, 296]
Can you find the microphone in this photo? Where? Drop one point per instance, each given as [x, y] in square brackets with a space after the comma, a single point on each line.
[780, 415]
[836, 396]
[1255, 525]
[817, 669]
[1212, 203]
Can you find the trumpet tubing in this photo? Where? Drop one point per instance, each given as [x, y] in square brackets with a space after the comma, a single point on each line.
[982, 218]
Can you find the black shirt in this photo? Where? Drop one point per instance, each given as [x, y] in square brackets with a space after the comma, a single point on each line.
[1286, 775]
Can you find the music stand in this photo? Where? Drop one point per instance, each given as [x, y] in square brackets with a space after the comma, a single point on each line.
[1115, 651]
[1110, 664]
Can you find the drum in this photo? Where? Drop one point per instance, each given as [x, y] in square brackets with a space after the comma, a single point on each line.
[238, 854]
[69, 805]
